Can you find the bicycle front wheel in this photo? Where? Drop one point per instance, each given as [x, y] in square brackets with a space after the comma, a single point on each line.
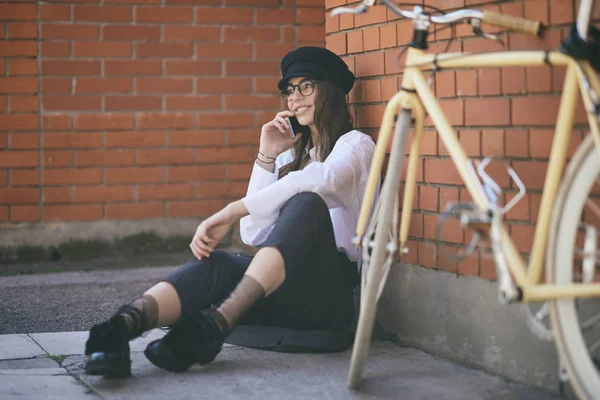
[374, 268]
[576, 322]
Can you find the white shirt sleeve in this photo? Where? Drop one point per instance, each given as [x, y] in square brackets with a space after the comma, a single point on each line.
[335, 180]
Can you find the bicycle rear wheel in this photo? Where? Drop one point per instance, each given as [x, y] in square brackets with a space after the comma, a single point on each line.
[375, 268]
[576, 322]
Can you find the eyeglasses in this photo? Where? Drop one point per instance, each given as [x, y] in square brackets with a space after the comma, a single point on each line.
[306, 87]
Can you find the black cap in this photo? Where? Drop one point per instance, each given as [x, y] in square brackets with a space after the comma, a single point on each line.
[316, 63]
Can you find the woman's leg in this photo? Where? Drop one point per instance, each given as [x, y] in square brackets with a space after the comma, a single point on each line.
[192, 287]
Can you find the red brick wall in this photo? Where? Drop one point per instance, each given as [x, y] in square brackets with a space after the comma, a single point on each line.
[508, 113]
[138, 109]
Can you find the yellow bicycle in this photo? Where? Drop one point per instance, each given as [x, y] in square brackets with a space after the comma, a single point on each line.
[565, 238]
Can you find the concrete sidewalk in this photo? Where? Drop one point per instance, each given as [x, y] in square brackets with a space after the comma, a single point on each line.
[49, 366]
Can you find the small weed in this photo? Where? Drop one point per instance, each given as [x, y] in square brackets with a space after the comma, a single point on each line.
[58, 358]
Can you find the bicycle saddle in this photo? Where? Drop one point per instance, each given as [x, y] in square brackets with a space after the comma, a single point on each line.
[575, 47]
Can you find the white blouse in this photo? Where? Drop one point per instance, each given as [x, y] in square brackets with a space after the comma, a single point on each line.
[340, 181]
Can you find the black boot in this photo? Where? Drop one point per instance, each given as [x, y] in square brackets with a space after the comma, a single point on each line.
[107, 349]
[191, 340]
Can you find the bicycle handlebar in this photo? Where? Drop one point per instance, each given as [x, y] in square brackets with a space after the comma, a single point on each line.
[503, 21]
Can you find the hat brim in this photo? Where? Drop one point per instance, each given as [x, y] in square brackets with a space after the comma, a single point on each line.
[284, 81]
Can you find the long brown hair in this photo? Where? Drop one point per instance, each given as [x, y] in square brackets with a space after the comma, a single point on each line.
[332, 119]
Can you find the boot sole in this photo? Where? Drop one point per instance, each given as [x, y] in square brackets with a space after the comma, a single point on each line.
[109, 367]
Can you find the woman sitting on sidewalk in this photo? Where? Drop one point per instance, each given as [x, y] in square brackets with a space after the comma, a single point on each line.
[301, 209]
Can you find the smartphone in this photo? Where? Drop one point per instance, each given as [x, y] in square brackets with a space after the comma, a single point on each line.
[291, 126]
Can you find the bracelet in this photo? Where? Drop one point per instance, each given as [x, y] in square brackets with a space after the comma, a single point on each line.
[270, 158]
[264, 162]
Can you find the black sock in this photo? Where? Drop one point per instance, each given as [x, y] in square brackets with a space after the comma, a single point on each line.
[140, 316]
[247, 293]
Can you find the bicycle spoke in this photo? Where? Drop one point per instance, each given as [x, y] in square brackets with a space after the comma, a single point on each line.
[593, 206]
[590, 322]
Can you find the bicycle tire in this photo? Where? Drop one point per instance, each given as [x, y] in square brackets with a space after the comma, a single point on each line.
[579, 178]
[374, 271]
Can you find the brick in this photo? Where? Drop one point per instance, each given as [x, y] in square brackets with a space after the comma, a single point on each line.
[539, 79]
[24, 177]
[165, 156]
[372, 90]
[103, 121]
[310, 16]
[165, 120]
[54, 159]
[471, 142]
[22, 67]
[195, 138]
[288, 34]
[250, 102]
[370, 64]
[21, 30]
[540, 142]
[517, 141]
[549, 41]
[441, 171]
[387, 36]
[19, 195]
[522, 236]
[277, 16]
[18, 12]
[211, 190]
[272, 50]
[134, 210]
[135, 1]
[428, 198]
[195, 173]
[125, 139]
[163, 85]
[242, 136]
[18, 122]
[70, 67]
[225, 154]
[311, 33]
[520, 210]
[173, 67]
[102, 49]
[73, 212]
[55, 12]
[71, 103]
[239, 172]
[166, 192]
[132, 67]
[133, 175]
[132, 103]
[70, 31]
[70, 140]
[389, 87]
[370, 115]
[537, 10]
[371, 38]
[266, 3]
[492, 142]
[487, 111]
[513, 80]
[103, 85]
[225, 120]
[561, 11]
[18, 48]
[355, 42]
[253, 33]
[332, 25]
[392, 64]
[454, 109]
[57, 195]
[535, 110]
[130, 32]
[427, 254]
[377, 14]
[337, 43]
[188, 33]
[87, 158]
[18, 85]
[221, 16]
[226, 85]
[160, 50]
[346, 21]
[192, 103]
[102, 13]
[104, 194]
[445, 84]
[466, 83]
[489, 81]
[56, 122]
[71, 176]
[24, 103]
[164, 14]
[193, 208]
[24, 213]
[251, 68]
[56, 49]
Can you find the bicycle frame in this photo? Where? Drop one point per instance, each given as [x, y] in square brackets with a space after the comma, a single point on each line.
[415, 94]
